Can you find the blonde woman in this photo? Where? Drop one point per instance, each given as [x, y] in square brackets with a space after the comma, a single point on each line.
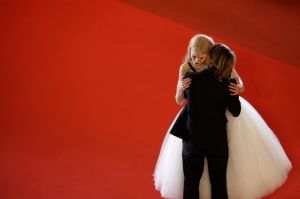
[257, 164]
[197, 59]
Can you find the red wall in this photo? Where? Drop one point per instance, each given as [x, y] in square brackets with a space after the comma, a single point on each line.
[87, 93]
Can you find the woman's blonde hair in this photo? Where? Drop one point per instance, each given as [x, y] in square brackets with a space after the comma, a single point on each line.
[200, 42]
[223, 59]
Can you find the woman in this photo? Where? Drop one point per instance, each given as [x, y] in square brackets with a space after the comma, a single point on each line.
[257, 163]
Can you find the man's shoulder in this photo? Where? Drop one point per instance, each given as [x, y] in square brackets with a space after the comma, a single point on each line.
[208, 72]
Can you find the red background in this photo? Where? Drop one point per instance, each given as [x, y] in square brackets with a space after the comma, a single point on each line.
[87, 94]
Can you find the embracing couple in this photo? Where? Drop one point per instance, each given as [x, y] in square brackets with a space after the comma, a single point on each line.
[198, 137]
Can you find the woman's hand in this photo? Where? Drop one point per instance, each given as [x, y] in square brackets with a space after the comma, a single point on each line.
[185, 83]
[235, 89]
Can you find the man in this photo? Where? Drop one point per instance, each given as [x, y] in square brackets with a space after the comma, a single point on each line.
[204, 131]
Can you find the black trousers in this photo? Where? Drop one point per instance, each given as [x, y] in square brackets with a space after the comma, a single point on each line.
[193, 154]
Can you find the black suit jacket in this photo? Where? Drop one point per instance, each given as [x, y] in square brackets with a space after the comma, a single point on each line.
[203, 117]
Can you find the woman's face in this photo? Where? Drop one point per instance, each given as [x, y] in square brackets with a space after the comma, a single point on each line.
[199, 58]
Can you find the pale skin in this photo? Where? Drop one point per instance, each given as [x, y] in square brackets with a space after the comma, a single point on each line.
[200, 61]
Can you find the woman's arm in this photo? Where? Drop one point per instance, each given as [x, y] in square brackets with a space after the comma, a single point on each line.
[182, 84]
[238, 88]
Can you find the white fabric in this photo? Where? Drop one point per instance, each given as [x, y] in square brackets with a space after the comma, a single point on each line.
[257, 164]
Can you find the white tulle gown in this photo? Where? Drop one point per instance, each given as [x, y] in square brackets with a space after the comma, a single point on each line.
[257, 164]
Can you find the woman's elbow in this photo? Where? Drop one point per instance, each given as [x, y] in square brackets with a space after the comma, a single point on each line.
[179, 100]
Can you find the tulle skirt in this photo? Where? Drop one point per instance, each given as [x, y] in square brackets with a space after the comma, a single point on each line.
[257, 163]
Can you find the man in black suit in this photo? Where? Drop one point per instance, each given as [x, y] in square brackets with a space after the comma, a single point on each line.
[204, 131]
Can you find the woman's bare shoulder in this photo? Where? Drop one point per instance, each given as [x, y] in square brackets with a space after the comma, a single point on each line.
[184, 68]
